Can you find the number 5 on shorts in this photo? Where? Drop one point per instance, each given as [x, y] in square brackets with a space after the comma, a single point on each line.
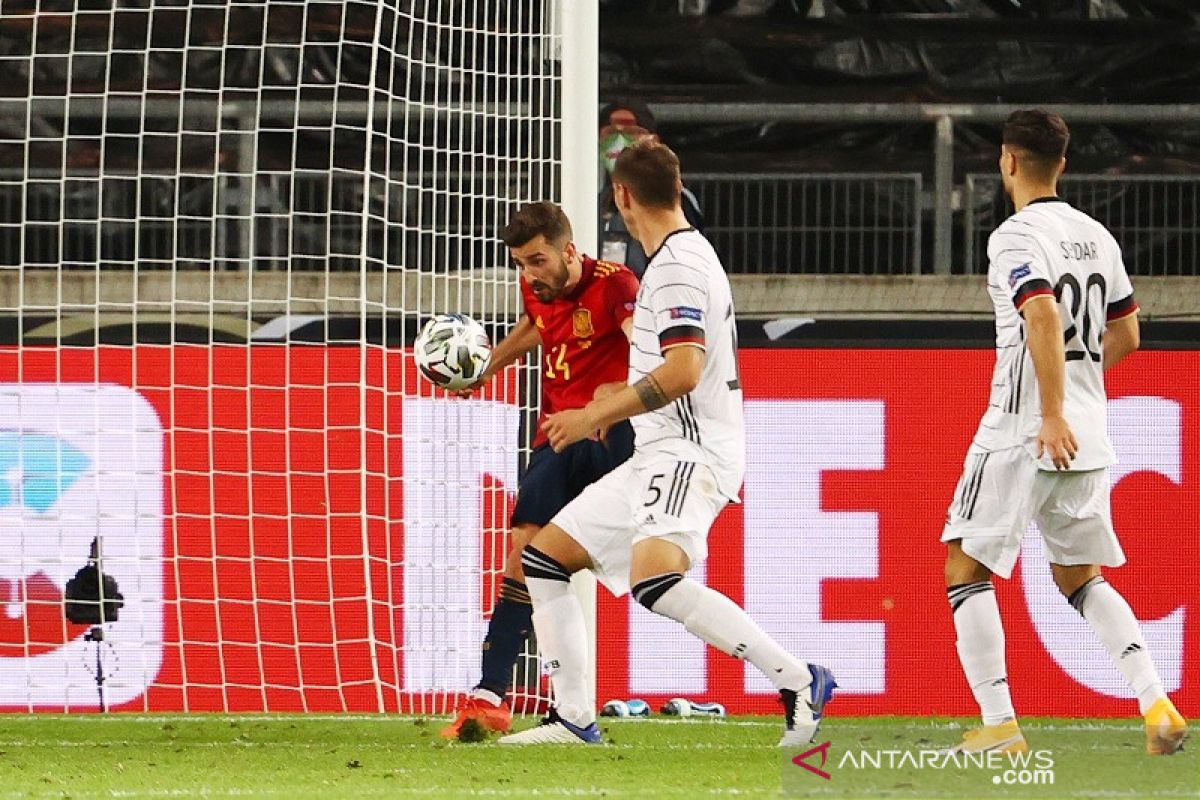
[653, 492]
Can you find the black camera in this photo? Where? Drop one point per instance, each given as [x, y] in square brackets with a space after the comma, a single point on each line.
[92, 597]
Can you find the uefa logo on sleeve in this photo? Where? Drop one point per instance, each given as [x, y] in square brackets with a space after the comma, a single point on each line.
[78, 463]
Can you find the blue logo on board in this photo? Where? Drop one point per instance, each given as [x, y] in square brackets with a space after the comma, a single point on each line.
[36, 470]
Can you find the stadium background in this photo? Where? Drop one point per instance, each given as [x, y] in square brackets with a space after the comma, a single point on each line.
[269, 570]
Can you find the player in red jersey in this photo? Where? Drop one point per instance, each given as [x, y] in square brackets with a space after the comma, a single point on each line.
[580, 311]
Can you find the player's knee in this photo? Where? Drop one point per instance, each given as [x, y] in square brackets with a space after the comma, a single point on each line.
[960, 568]
[537, 564]
[1076, 583]
[519, 537]
[649, 591]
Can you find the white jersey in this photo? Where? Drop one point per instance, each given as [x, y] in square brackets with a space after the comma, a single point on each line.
[685, 299]
[1050, 248]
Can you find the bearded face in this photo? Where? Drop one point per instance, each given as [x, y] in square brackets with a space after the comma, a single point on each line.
[544, 267]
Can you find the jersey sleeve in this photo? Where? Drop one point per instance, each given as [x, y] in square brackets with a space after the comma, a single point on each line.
[678, 299]
[1121, 302]
[621, 294]
[1017, 262]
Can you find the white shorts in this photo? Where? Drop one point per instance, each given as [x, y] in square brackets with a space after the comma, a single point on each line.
[1002, 491]
[643, 498]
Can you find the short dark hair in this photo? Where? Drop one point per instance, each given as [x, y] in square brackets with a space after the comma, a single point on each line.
[650, 170]
[1041, 135]
[537, 219]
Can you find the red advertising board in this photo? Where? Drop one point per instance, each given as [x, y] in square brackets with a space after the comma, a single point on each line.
[293, 579]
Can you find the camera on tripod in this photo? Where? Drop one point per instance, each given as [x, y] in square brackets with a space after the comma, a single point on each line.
[93, 598]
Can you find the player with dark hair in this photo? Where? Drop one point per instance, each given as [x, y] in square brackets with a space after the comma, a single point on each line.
[1064, 314]
[579, 311]
[642, 526]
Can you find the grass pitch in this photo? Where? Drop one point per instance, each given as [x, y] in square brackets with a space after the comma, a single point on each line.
[389, 756]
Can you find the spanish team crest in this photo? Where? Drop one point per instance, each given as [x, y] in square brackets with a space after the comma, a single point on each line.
[581, 323]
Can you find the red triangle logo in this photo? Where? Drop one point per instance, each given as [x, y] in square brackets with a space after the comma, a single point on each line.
[802, 760]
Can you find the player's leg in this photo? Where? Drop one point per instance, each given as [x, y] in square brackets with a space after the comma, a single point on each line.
[599, 528]
[980, 638]
[983, 531]
[543, 490]
[659, 584]
[550, 560]
[512, 619]
[542, 496]
[1076, 525]
[677, 504]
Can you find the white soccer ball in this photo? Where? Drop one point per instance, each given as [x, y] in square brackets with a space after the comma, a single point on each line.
[452, 351]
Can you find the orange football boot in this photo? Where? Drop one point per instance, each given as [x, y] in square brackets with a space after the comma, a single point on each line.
[491, 717]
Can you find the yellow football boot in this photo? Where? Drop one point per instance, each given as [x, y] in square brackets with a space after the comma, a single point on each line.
[1003, 738]
[1165, 728]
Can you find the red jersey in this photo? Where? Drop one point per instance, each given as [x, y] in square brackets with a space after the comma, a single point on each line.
[583, 345]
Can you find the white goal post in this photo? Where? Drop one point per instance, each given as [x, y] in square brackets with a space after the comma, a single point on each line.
[219, 227]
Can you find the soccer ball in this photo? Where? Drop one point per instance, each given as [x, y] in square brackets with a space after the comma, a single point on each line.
[452, 351]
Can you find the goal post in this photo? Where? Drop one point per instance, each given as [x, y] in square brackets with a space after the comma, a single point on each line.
[219, 230]
[580, 54]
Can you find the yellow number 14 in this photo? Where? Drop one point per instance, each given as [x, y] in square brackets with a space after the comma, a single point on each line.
[556, 358]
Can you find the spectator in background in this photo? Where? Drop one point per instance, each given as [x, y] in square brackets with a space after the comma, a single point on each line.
[623, 122]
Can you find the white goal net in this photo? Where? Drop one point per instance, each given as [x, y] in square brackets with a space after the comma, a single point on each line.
[220, 225]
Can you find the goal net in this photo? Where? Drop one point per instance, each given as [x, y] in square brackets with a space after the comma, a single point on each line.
[220, 226]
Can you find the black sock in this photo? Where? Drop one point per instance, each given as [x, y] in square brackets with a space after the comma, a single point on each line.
[512, 619]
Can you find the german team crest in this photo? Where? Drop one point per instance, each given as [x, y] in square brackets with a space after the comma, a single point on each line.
[581, 323]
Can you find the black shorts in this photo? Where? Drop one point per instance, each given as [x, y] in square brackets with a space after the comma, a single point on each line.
[554, 479]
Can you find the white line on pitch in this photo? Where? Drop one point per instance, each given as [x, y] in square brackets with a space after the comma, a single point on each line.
[890, 723]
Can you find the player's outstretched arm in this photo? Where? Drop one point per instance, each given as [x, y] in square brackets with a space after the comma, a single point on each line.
[1121, 337]
[1044, 336]
[519, 341]
[675, 377]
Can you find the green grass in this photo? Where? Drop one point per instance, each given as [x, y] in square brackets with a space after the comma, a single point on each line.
[321, 757]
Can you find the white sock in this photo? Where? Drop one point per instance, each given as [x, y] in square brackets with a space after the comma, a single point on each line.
[981, 649]
[487, 696]
[562, 639]
[716, 619]
[1113, 620]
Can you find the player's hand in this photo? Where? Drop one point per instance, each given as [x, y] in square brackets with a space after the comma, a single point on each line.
[474, 387]
[1056, 441]
[567, 427]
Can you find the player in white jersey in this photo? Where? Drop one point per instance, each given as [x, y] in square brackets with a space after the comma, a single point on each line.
[644, 524]
[1064, 313]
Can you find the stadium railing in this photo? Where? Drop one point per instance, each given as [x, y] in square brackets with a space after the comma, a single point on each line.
[944, 195]
[769, 223]
[823, 223]
[1155, 218]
